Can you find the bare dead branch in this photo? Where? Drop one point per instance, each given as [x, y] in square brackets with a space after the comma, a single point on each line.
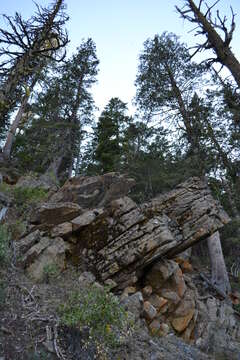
[200, 4]
[209, 8]
[212, 28]
[25, 44]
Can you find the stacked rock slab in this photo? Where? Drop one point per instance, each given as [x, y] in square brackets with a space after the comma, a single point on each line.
[118, 237]
[192, 206]
[124, 239]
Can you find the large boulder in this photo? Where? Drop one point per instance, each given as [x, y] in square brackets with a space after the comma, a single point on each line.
[192, 206]
[45, 254]
[126, 238]
[56, 213]
[51, 260]
[94, 191]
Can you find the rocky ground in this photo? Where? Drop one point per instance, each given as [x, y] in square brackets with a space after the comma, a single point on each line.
[29, 314]
[30, 328]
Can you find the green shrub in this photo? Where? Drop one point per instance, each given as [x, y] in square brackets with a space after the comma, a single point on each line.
[5, 188]
[24, 195]
[100, 311]
[4, 238]
[17, 228]
[50, 271]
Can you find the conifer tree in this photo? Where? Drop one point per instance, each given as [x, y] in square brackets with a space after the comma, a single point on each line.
[59, 114]
[166, 78]
[109, 136]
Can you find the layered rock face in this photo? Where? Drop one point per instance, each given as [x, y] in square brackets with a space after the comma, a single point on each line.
[118, 238]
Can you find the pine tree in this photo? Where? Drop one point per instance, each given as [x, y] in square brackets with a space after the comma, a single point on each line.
[109, 136]
[166, 78]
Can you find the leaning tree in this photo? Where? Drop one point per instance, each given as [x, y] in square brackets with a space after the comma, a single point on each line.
[26, 47]
[211, 27]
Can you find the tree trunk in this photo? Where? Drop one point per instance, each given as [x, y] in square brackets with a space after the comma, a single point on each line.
[51, 175]
[182, 109]
[8, 88]
[6, 152]
[55, 165]
[78, 161]
[219, 272]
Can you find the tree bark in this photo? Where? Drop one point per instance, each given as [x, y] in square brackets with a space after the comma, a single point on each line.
[219, 272]
[6, 152]
[182, 109]
[51, 175]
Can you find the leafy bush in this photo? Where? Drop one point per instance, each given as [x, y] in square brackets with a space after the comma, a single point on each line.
[100, 311]
[5, 188]
[24, 195]
[50, 271]
[28, 195]
[18, 228]
[4, 237]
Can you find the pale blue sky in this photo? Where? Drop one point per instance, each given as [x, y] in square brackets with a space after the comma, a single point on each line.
[119, 29]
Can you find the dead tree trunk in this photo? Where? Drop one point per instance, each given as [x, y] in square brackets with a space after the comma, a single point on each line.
[220, 277]
[206, 26]
[26, 45]
[6, 152]
[51, 175]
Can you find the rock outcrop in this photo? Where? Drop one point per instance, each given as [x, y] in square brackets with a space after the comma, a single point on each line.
[118, 238]
[94, 191]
